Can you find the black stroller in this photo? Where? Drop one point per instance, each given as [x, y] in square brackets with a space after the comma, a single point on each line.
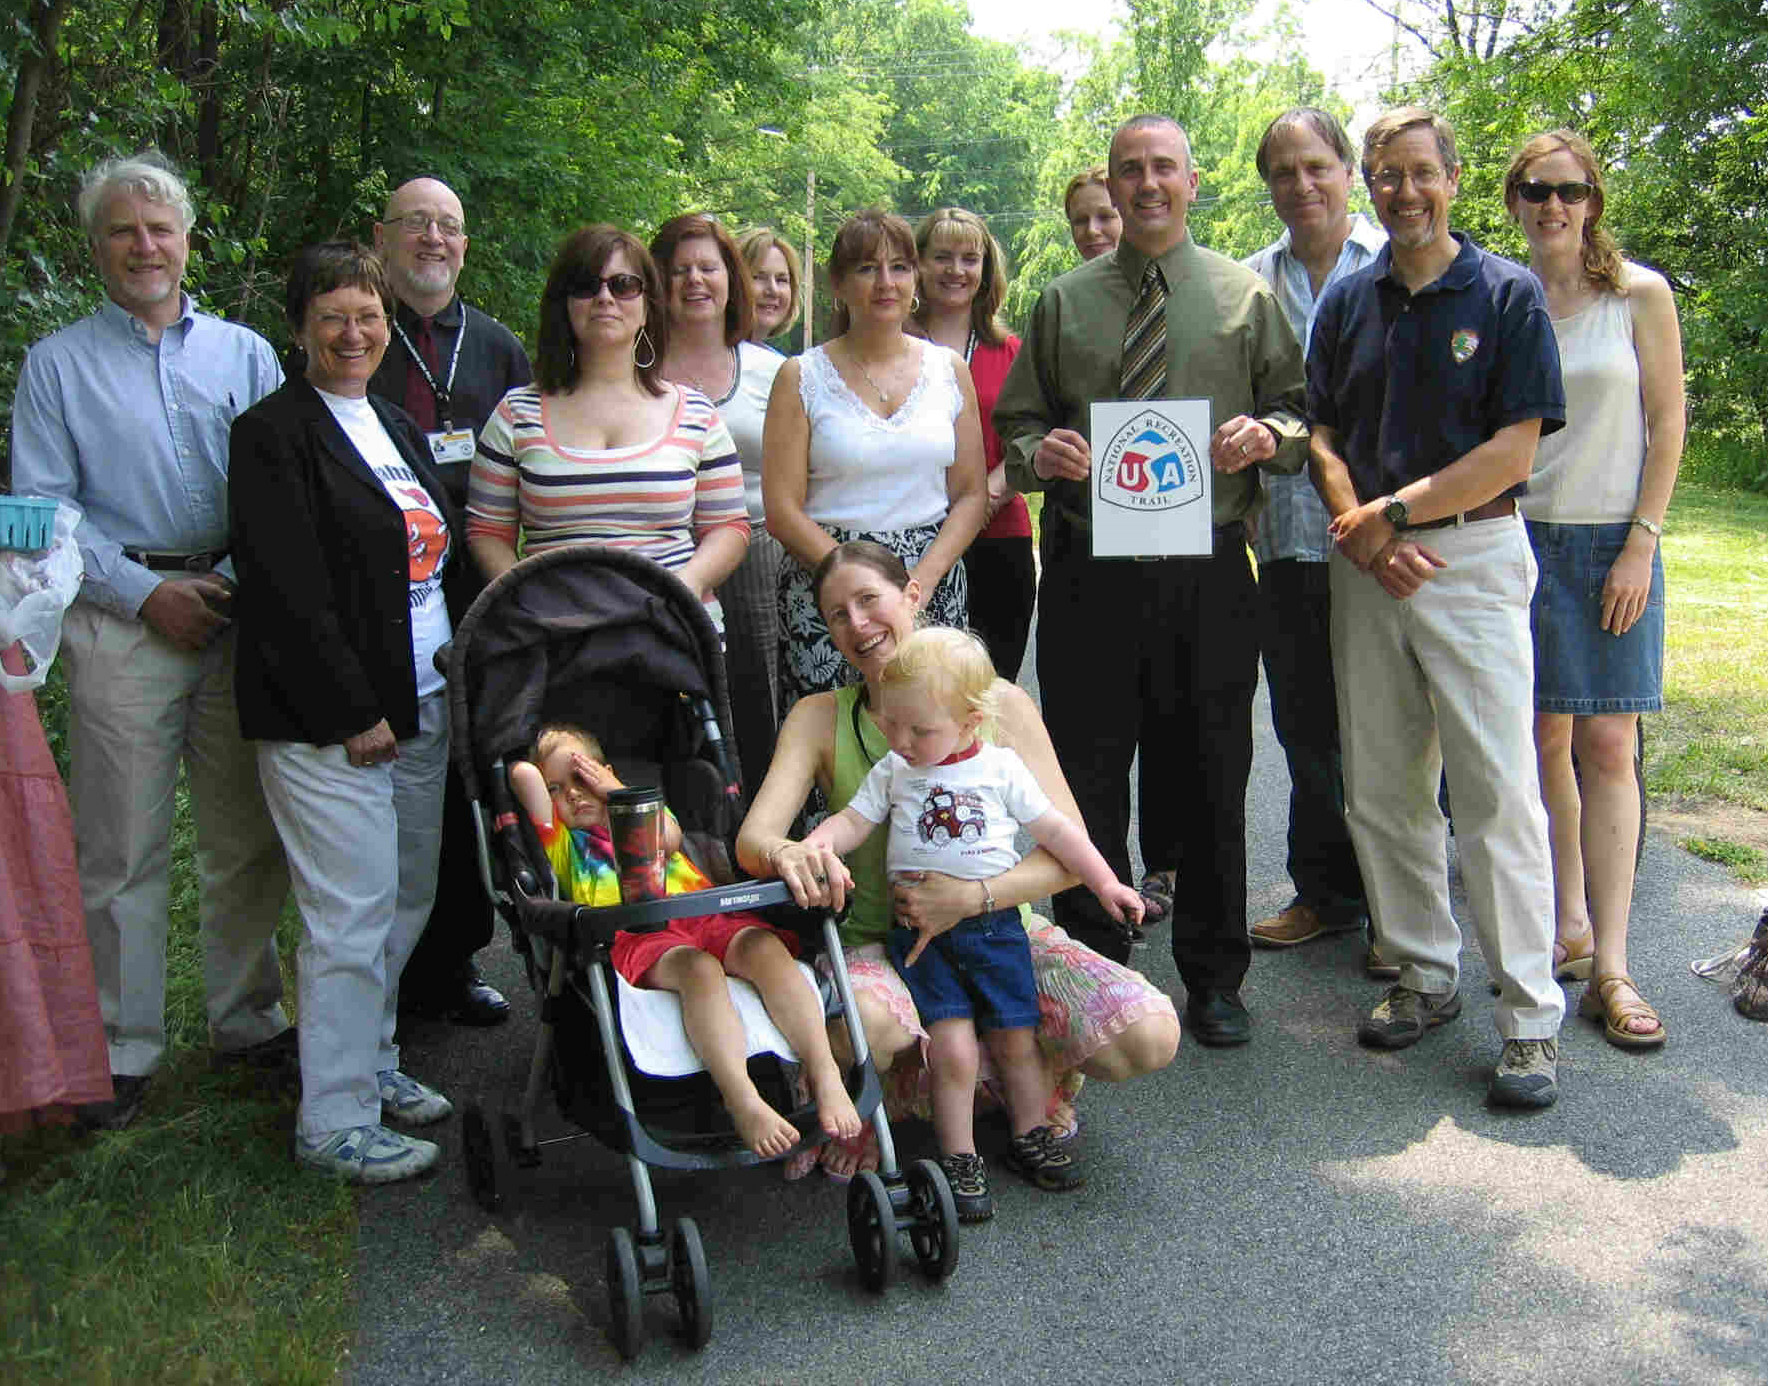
[616, 643]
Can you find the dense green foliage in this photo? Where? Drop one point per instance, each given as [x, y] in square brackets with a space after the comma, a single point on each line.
[295, 117]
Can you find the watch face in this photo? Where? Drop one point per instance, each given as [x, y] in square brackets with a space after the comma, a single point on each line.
[1395, 512]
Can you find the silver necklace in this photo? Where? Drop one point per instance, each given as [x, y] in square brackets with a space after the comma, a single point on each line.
[883, 394]
[715, 396]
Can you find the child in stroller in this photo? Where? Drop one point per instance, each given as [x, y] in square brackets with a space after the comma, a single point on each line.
[564, 791]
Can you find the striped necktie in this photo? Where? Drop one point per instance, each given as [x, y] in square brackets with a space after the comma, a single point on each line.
[1144, 339]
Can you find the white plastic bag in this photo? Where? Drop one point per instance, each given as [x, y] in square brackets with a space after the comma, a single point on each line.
[35, 589]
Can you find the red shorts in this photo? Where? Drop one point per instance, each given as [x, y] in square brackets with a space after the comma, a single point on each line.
[633, 955]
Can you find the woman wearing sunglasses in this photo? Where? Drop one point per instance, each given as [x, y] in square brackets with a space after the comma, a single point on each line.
[601, 449]
[1595, 509]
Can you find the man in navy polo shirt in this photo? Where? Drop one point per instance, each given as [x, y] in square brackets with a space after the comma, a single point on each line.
[1431, 375]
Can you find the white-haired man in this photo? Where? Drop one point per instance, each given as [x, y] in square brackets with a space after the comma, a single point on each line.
[126, 414]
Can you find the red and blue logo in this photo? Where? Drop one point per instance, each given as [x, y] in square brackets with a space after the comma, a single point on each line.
[1148, 464]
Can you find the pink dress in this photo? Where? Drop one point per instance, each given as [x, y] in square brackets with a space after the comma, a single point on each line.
[52, 1049]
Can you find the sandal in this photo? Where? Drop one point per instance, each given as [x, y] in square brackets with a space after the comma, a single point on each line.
[1571, 964]
[1605, 1000]
[1156, 891]
[864, 1147]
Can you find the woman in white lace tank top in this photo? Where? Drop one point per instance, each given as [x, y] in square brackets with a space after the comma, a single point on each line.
[1595, 509]
[874, 435]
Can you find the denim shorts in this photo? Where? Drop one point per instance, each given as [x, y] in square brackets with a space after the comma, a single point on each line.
[979, 968]
[1579, 667]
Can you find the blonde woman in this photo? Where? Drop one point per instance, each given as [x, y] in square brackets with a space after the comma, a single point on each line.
[963, 279]
[776, 279]
[1595, 508]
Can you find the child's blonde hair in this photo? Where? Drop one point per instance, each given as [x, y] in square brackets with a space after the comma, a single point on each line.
[547, 740]
[953, 667]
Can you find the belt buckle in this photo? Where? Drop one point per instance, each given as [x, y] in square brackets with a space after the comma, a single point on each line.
[198, 563]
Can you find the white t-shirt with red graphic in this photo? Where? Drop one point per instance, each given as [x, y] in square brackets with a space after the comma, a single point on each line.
[426, 532]
[958, 817]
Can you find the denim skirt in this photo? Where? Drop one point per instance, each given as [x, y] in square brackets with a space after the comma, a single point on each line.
[1579, 667]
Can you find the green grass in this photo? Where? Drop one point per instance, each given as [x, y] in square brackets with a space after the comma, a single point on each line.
[188, 1248]
[1745, 861]
[1711, 740]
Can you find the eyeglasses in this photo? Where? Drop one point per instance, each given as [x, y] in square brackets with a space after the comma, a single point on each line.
[416, 223]
[1390, 180]
[1536, 191]
[621, 286]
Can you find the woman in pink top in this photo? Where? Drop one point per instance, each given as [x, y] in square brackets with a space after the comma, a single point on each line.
[601, 449]
[963, 280]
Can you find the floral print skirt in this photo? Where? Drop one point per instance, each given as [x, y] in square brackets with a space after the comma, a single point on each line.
[809, 661]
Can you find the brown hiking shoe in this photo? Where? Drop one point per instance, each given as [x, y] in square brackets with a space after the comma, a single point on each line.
[1402, 1016]
[1298, 923]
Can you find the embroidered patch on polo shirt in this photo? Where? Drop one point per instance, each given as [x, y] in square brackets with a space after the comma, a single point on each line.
[1463, 344]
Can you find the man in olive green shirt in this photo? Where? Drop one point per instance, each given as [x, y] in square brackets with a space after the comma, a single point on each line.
[1159, 653]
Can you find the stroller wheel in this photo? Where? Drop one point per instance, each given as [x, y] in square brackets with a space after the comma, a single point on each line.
[488, 1163]
[871, 1227]
[691, 1283]
[934, 1231]
[626, 1295]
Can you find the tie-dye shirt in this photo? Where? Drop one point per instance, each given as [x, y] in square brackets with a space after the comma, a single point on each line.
[583, 861]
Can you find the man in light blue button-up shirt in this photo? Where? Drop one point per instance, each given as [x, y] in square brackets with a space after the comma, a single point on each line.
[126, 414]
[1307, 162]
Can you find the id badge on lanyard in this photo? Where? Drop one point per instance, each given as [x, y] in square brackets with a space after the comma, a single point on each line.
[451, 445]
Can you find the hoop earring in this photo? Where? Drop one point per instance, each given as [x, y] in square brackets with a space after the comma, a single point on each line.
[644, 337]
[914, 305]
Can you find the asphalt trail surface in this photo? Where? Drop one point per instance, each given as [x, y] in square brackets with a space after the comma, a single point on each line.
[1298, 1210]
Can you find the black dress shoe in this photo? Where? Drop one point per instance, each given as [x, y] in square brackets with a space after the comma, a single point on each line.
[466, 1000]
[128, 1093]
[280, 1055]
[1217, 1018]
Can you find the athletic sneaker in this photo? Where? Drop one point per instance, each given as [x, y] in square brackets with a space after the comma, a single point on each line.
[1402, 1016]
[409, 1102]
[968, 1177]
[366, 1154]
[1037, 1156]
[1527, 1074]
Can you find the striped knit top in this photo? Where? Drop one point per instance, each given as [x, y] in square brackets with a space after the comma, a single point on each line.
[659, 498]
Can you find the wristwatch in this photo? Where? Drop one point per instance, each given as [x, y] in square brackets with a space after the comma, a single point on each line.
[1394, 511]
[1651, 527]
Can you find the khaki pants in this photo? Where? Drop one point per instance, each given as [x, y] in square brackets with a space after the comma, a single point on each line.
[1446, 679]
[140, 707]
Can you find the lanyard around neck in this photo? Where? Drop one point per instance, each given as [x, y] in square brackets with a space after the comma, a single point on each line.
[444, 391]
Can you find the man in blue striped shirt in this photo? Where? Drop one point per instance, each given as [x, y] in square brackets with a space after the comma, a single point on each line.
[1306, 160]
[126, 415]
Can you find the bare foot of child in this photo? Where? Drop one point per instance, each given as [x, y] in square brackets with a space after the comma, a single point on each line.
[834, 1108]
[763, 1129]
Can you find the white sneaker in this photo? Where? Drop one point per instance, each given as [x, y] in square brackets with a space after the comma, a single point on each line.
[409, 1102]
[366, 1154]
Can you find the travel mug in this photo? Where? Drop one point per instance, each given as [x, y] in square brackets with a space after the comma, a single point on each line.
[635, 822]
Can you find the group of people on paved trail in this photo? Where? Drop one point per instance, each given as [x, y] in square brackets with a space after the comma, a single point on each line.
[1452, 471]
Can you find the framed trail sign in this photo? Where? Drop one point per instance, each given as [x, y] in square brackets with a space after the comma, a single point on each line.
[1150, 486]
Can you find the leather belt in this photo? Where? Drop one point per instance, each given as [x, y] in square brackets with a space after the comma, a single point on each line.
[176, 562]
[1491, 510]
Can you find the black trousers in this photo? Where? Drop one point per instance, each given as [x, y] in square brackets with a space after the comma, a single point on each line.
[461, 919]
[1003, 586]
[1163, 654]
[1295, 601]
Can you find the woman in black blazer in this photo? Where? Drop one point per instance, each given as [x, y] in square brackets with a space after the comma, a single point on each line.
[344, 543]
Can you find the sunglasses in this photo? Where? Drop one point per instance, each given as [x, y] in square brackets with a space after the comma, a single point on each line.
[621, 286]
[1535, 191]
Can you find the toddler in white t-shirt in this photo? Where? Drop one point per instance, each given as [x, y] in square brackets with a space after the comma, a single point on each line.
[954, 804]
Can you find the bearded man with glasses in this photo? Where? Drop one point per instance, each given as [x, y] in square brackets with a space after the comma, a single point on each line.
[1432, 373]
[447, 365]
